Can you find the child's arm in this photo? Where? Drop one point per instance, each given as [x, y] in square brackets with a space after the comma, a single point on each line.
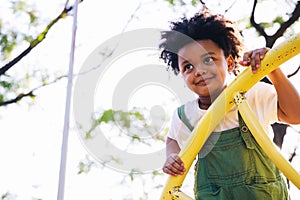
[288, 96]
[173, 165]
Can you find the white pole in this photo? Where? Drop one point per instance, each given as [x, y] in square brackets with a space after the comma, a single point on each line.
[64, 147]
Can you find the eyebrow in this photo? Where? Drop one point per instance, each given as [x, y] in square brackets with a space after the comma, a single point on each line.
[207, 54]
[184, 62]
[202, 56]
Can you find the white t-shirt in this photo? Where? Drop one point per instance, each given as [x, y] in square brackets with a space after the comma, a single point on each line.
[262, 98]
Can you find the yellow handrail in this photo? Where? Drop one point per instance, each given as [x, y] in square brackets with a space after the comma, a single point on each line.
[265, 142]
[272, 60]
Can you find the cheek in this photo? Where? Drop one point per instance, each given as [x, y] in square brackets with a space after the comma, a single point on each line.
[224, 77]
[223, 71]
[187, 79]
[220, 75]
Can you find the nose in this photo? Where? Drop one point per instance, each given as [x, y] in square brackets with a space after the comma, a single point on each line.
[199, 71]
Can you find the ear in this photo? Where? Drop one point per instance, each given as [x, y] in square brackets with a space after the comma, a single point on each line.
[230, 63]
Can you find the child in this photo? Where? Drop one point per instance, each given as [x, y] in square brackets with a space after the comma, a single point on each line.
[205, 51]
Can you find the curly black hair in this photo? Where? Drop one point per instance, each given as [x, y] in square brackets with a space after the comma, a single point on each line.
[201, 26]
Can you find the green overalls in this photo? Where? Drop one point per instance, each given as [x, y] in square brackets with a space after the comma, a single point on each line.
[237, 169]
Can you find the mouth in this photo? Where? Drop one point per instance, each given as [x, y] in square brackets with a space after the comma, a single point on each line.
[202, 82]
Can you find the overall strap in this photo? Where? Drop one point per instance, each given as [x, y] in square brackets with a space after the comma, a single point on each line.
[183, 118]
[245, 132]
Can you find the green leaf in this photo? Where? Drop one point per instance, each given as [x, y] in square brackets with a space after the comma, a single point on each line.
[19, 6]
[116, 160]
[125, 118]
[33, 17]
[1, 98]
[135, 137]
[27, 38]
[88, 135]
[182, 3]
[138, 115]
[7, 85]
[171, 2]
[278, 20]
[156, 173]
[194, 2]
[265, 25]
[107, 116]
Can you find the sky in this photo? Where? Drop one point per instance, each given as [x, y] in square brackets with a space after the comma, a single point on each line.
[31, 133]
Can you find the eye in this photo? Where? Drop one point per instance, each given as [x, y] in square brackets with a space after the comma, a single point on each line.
[208, 60]
[188, 67]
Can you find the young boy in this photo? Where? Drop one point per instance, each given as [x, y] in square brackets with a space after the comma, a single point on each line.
[205, 50]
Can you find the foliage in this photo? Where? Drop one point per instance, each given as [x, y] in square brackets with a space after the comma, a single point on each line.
[181, 2]
[10, 39]
[7, 86]
[133, 123]
[85, 165]
[11, 36]
[8, 196]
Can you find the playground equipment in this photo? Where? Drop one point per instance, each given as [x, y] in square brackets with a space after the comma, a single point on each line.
[233, 94]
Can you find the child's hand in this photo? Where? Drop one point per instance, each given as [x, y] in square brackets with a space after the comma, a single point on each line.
[174, 165]
[253, 58]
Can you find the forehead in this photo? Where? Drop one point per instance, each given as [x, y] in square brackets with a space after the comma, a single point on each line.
[199, 47]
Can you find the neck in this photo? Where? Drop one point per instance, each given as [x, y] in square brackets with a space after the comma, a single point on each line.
[204, 102]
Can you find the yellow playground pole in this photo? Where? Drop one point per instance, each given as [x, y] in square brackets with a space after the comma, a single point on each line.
[265, 142]
[273, 59]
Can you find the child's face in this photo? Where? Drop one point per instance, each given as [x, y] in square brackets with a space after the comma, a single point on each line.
[204, 67]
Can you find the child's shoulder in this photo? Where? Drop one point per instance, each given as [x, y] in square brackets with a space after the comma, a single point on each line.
[261, 94]
[190, 106]
[261, 88]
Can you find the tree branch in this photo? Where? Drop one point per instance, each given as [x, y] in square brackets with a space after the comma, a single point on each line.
[30, 93]
[258, 28]
[36, 41]
[294, 73]
[227, 9]
[294, 17]
[18, 98]
[270, 40]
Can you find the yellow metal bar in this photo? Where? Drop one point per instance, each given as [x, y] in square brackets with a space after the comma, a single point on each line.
[273, 59]
[265, 142]
[177, 194]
